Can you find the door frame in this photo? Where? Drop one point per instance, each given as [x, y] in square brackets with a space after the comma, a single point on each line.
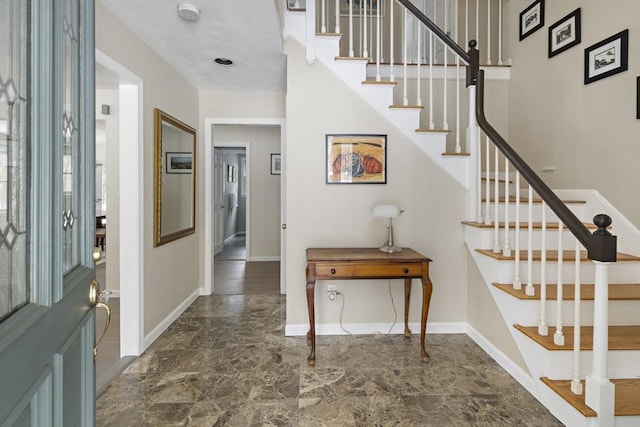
[130, 190]
[209, 124]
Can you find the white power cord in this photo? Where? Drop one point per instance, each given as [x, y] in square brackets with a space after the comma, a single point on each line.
[393, 305]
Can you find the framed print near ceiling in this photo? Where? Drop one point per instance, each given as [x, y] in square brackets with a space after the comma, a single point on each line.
[531, 19]
[565, 33]
[607, 57]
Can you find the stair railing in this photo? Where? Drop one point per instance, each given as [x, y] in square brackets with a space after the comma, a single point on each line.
[600, 245]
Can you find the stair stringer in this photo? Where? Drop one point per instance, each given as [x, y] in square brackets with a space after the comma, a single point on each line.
[353, 72]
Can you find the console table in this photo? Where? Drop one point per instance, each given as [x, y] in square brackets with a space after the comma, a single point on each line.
[368, 263]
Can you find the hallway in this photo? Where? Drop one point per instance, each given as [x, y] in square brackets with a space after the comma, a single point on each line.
[226, 362]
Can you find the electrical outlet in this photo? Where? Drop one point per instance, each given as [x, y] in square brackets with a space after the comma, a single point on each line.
[331, 292]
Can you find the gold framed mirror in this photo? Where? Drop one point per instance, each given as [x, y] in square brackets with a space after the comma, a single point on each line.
[174, 178]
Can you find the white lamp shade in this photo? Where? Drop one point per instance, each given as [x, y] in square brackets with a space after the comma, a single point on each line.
[386, 211]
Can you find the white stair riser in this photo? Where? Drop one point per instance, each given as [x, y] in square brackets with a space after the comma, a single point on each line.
[484, 237]
[558, 364]
[504, 271]
[527, 312]
[579, 210]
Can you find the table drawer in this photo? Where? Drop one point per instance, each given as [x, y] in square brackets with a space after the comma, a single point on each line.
[367, 271]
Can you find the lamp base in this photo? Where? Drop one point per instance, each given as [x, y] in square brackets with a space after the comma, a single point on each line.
[390, 249]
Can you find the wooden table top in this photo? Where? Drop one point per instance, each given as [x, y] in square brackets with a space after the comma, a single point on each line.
[363, 254]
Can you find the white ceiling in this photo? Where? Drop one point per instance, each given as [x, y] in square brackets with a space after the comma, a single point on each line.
[245, 31]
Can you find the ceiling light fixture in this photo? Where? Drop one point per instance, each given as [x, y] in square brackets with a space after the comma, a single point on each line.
[224, 62]
[188, 12]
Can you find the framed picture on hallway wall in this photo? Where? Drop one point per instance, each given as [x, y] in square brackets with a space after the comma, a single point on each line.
[606, 58]
[178, 162]
[276, 164]
[531, 19]
[356, 159]
[359, 7]
[565, 33]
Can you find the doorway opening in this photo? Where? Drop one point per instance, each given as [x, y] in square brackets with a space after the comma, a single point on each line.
[118, 214]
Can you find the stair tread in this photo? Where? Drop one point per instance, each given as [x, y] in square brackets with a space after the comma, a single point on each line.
[526, 200]
[456, 154]
[381, 82]
[326, 34]
[625, 337]
[523, 225]
[424, 130]
[351, 58]
[418, 107]
[617, 292]
[626, 401]
[551, 255]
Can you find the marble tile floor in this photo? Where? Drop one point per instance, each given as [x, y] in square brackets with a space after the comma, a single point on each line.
[226, 362]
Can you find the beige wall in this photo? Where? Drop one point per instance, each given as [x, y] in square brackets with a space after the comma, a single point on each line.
[321, 215]
[165, 286]
[589, 132]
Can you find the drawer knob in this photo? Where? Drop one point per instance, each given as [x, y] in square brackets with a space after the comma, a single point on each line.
[333, 271]
[405, 270]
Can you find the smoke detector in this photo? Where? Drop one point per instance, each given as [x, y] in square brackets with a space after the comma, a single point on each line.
[188, 12]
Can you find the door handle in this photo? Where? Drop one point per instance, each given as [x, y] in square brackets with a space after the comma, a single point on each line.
[97, 299]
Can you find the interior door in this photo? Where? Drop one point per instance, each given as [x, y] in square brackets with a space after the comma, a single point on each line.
[46, 213]
[218, 202]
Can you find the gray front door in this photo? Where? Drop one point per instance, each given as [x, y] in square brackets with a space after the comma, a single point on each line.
[46, 213]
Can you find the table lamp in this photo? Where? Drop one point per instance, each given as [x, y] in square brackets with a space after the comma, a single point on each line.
[388, 211]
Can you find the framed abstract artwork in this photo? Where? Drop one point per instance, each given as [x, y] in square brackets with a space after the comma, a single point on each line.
[356, 159]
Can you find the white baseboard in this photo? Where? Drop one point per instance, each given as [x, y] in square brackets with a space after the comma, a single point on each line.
[162, 326]
[371, 328]
[519, 374]
[263, 258]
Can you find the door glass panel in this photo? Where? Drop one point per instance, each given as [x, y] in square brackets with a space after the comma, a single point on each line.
[14, 155]
[70, 134]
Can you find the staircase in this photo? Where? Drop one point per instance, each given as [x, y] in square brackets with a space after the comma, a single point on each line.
[517, 276]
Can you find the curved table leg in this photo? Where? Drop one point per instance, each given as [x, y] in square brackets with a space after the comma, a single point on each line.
[407, 299]
[311, 335]
[427, 288]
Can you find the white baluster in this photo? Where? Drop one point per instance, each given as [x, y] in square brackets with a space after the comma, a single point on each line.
[405, 100]
[543, 328]
[576, 384]
[478, 22]
[558, 336]
[431, 45]
[499, 32]
[466, 22]
[365, 50]
[419, 82]
[496, 200]
[458, 147]
[479, 179]
[506, 250]
[487, 184]
[391, 31]
[445, 124]
[378, 43]
[323, 26]
[517, 284]
[529, 289]
[337, 17]
[488, 32]
[351, 54]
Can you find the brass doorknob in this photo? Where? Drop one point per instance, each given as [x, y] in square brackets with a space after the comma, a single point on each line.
[97, 299]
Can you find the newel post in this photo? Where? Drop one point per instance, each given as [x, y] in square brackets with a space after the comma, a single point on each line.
[473, 138]
[600, 392]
